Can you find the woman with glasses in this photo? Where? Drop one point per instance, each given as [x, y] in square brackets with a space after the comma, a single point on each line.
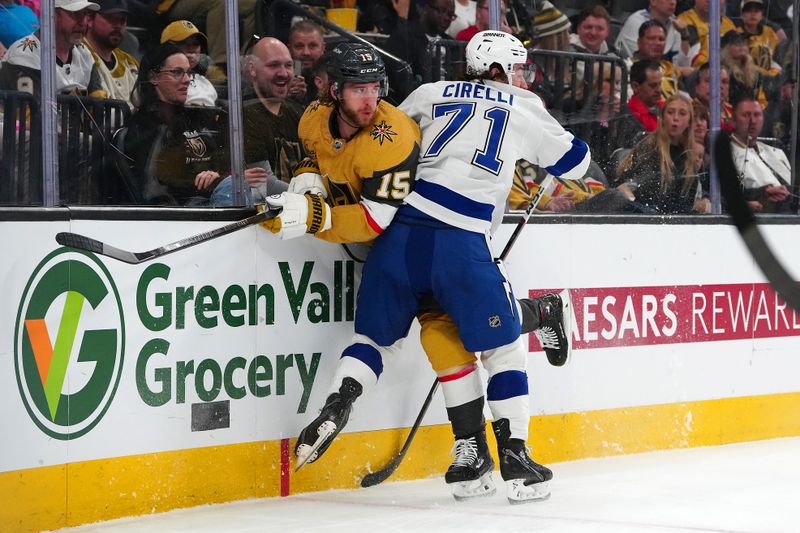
[176, 152]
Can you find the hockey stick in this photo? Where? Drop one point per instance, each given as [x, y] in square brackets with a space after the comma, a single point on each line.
[81, 242]
[383, 474]
[745, 223]
[523, 221]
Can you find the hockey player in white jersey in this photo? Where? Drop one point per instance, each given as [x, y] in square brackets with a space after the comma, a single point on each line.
[473, 132]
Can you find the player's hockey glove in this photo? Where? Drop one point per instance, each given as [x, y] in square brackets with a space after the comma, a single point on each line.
[301, 213]
[308, 182]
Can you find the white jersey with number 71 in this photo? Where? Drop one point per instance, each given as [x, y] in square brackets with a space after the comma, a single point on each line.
[473, 133]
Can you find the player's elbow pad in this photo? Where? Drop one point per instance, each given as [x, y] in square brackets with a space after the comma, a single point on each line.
[573, 164]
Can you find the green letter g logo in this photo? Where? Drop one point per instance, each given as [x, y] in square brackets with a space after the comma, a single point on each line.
[69, 343]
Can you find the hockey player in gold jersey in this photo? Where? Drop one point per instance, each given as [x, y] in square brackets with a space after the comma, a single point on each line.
[362, 158]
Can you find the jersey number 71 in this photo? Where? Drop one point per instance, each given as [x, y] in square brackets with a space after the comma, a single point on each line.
[460, 114]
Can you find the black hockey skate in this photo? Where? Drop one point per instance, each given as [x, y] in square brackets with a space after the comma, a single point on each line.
[526, 480]
[470, 475]
[555, 324]
[319, 434]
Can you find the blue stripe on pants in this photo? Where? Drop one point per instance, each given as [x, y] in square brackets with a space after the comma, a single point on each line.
[367, 354]
[507, 385]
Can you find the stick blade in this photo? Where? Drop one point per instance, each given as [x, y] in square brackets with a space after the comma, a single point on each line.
[376, 478]
[81, 242]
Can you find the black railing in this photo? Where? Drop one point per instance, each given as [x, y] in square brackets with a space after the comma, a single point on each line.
[20, 159]
[85, 128]
[276, 19]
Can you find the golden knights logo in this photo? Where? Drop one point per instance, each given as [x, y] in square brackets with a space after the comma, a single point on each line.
[196, 148]
[28, 45]
[381, 132]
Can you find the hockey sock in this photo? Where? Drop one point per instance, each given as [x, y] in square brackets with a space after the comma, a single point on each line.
[466, 419]
[531, 314]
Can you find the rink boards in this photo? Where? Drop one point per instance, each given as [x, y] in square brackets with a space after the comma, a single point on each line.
[130, 389]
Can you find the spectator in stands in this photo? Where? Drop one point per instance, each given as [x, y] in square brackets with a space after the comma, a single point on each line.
[307, 46]
[381, 16]
[585, 195]
[696, 20]
[270, 118]
[660, 173]
[613, 126]
[651, 42]
[213, 13]
[762, 39]
[778, 116]
[646, 85]
[466, 13]
[118, 70]
[482, 21]
[677, 35]
[763, 171]
[551, 32]
[410, 39]
[745, 77]
[702, 93]
[701, 118]
[16, 22]
[306, 43]
[193, 43]
[177, 153]
[75, 69]
[551, 28]
[320, 73]
[592, 28]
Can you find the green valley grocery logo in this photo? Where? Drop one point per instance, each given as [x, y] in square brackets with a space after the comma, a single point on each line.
[68, 343]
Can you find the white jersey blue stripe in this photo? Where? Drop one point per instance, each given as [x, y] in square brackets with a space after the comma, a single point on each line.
[496, 123]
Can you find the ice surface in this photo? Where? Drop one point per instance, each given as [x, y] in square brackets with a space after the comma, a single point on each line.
[748, 487]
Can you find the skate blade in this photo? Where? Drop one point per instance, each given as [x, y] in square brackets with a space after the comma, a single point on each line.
[475, 488]
[307, 453]
[566, 312]
[518, 492]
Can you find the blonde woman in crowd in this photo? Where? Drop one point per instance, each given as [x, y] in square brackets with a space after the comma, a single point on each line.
[660, 173]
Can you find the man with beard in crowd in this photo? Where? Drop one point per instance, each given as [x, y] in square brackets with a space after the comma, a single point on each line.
[75, 69]
[117, 69]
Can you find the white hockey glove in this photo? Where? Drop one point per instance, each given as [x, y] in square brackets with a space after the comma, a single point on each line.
[301, 213]
[310, 182]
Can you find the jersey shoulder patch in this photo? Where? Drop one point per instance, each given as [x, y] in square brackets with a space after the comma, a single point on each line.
[392, 133]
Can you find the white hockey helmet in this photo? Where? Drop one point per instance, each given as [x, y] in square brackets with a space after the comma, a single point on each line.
[492, 46]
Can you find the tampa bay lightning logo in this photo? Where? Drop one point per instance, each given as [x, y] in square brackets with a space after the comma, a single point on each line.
[381, 132]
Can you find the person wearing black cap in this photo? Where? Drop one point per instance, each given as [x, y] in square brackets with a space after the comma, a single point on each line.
[762, 39]
[118, 69]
